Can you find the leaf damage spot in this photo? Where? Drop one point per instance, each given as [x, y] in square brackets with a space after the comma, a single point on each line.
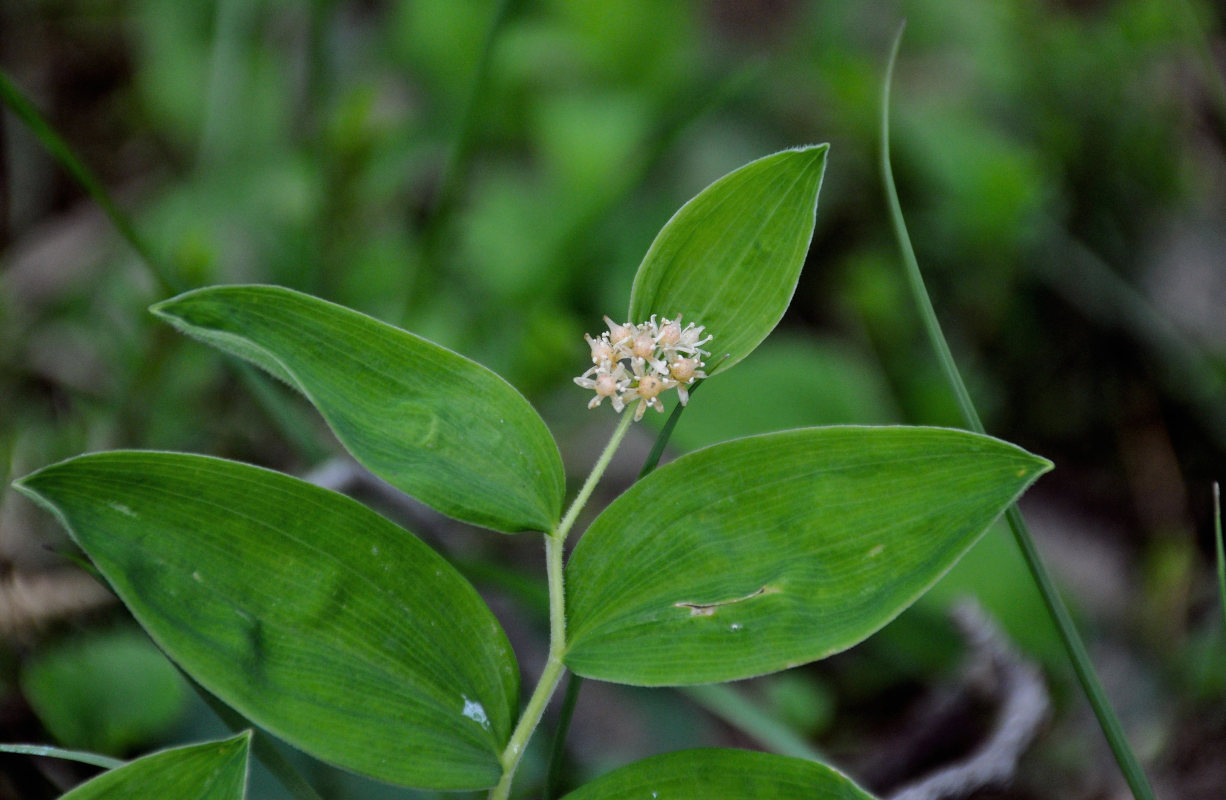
[122, 509]
[709, 609]
[876, 551]
[475, 711]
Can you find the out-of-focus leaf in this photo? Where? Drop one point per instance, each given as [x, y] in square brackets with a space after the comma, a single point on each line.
[213, 771]
[726, 774]
[730, 258]
[771, 551]
[791, 382]
[428, 421]
[319, 620]
[104, 692]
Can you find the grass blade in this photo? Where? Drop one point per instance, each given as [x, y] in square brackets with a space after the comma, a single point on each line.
[731, 706]
[1084, 669]
[25, 110]
[106, 762]
[1221, 550]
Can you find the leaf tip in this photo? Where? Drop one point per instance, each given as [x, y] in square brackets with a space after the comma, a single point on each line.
[23, 486]
[163, 309]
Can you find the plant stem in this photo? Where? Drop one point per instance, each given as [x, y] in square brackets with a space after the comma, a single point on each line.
[558, 749]
[554, 668]
[734, 708]
[553, 776]
[602, 462]
[261, 744]
[1221, 549]
[1082, 665]
[528, 721]
[59, 149]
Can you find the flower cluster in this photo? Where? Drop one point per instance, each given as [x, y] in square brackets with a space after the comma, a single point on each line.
[639, 362]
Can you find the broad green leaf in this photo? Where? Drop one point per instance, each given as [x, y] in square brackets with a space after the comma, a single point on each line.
[729, 259]
[104, 691]
[428, 421]
[213, 771]
[315, 617]
[723, 774]
[771, 551]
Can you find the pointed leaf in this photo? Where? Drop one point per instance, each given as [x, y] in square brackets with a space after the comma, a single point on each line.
[213, 771]
[730, 258]
[428, 421]
[315, 617]
[726, 774]
[762, 553]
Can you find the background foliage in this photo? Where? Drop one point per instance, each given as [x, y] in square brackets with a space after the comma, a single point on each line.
[1062, 166]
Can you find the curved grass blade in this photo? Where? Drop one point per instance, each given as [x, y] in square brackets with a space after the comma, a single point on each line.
[1219, 548]
[21, 106]
[93, 759]
[1112, 729]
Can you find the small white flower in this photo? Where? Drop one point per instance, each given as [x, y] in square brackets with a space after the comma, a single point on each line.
[607, 380]
[637, 363]
[601, 349]
[619, 334]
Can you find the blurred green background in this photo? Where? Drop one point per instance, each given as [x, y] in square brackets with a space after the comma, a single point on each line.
[488, 173]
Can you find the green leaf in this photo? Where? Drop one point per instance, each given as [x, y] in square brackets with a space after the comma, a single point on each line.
[730, 258]
[771, 551]
[726, 774]
[310, 614]
[428, 421]
[213, 771]
[106, 691]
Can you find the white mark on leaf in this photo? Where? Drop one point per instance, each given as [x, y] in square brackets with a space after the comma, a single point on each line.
[476, 712]
[374, 549]
[709, 609]
[876, 551]
[196, 577]
[734, 627]
[122, 509]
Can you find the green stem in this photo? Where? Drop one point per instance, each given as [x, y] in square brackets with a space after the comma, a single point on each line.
[553, 776]
[455, 172]
[585, 492]
[25, 111]
[106, 762]
[456, 168]
[1221, 549]
[734, 708]
[1084, 669]
[262, 746]
[554, 668]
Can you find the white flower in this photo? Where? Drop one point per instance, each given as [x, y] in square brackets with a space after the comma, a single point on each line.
[637, 363]
[607, 380]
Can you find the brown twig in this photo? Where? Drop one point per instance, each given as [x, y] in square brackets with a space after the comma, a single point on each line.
[1024, 703]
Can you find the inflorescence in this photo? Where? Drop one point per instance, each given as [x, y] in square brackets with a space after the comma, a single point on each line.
[639, 362]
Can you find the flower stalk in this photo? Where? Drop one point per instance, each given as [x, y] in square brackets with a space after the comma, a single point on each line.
[554, 669]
